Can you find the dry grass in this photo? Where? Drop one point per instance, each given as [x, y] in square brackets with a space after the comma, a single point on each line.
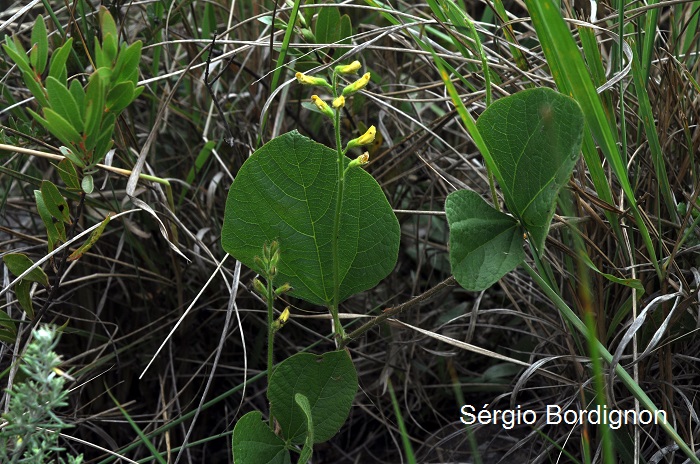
[120, 301]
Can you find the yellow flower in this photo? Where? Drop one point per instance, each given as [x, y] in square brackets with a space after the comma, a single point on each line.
[308, 80]
[284, 317]
[323, 106]
[276, 325]
[358, 85]
[368, 136]
[364, 139]
[351, 68]
[339, 102]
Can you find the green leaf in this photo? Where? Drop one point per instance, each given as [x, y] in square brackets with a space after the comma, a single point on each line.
[534, 138]
[57, 66]
[18, 263]
[23, 297]
[110, 37]
[345, 29]
[78, 92]
[94, 236]
[55, 202]
[61, 128]
[94, 108]
[68, 153]
[18, 55]
[40, 46]
[35, 88]
[120, 96]
[328, 381]
[127, 66]
[485, 244]
[308, 449]
[68, 173]
[8, 328]
[63, 103]
[286, 191]
[253, 441]
[55, 230]
[104, 142]
[328, 25]
[88, 184]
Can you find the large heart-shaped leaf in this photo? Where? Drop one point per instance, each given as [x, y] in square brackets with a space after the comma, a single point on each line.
[485, 244]
[287, 191]
[534, 137]
[329, 383]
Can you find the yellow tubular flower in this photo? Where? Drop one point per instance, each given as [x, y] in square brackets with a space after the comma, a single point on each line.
[356, 86]
[339, 102]
[308, 80]
[351, 68]
[284, 317]
[367, 137]
[364, 139]
[323, 106]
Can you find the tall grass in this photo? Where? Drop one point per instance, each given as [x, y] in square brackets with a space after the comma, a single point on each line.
[625, 233]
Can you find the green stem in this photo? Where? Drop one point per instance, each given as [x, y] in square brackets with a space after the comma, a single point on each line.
[333, 307]
[270, 331]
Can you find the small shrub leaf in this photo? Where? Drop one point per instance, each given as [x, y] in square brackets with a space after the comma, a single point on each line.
[54, 201]
[64, 103]
[23, 297]
[59, 58]
[18, 263]
[88, 184]
[94, 236]
[328, 26]
[40, 46]
[68, 173]
[61, 128]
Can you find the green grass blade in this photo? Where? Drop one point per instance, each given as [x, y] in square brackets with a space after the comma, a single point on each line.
[626, 379]
[144, 438]
[410, 457]
[571, 76]
[279, 66]
[657, 156]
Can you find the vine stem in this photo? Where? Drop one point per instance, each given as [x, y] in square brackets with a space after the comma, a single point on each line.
[270, 330]
[333, 307]
[396, 310]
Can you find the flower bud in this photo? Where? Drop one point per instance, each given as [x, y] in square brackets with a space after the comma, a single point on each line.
[284, 288]
[339, 102]
[309, 80]
[284, 317]
[351, 68]
[259, 287]
[356, 86]
[323, 106]
[359, 161]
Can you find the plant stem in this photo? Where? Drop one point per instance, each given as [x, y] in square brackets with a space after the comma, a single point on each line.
[333, 307]
[270, 297]
[396, 310]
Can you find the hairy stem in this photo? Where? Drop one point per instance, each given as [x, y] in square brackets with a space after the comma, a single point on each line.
[333, 307]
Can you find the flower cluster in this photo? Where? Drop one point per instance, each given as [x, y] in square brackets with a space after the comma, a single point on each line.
[338, 102]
